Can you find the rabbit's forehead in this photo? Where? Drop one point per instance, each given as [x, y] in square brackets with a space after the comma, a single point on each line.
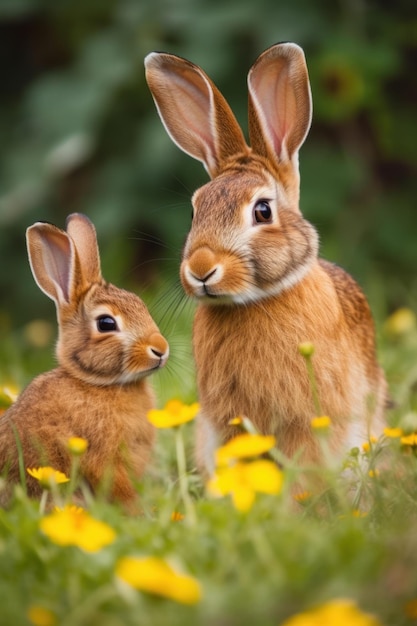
[228, 198]
[110, 300]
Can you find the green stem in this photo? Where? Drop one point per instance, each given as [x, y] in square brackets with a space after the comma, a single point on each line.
[182, 477]
[313, 383]
[73, 478]
[43, 501]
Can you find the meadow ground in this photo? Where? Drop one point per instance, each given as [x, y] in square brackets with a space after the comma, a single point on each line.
[240, 551]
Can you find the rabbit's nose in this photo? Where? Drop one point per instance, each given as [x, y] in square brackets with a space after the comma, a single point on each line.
[158, 347]
[206, 277]
[202, 265]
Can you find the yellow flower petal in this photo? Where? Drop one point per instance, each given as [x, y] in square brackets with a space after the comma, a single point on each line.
[242, 481]
[302, 496]
[75, 527]
[77, 445]
[321, 423]
[155, 576]
[264, 476]
[48, 476]
[334, 613]
[8, 394]
[236, 421]
[409, 440]
[173, 414]
[40, 616]
[400, 322]
[393, 433]
[244, 446]
[243, 498]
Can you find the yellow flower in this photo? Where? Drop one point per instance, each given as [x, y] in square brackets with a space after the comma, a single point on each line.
[39, 616]
[69, 507]
[334, 613]
[322, 422]
[75, 527]
[400, 322]
[303, 496]
[243, 480]
[48, 476]
[176, 516]
[409, 440]
[393, 433]
[77, 445]
[236, 421]
[410, 609]
[366, 446]
[244, 446]
[373, 473]
[8, 395]
[174, 413]
[306, 349]
[155, 576]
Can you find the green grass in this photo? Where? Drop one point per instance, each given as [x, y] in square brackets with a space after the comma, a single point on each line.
[277, 560]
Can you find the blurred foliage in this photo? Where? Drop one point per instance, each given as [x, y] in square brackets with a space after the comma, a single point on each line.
[79, 130]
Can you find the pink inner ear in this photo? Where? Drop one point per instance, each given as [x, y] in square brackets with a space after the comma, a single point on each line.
[57, 259]
[192, 109]
[276, 106]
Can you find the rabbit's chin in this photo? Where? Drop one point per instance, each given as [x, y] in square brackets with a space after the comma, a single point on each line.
[253, 293]
[127, 378]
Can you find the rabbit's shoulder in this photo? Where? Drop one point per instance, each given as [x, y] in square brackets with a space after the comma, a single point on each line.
[351, 298]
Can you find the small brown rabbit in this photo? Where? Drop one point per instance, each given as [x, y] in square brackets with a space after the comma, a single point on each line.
[107, 345]
[251, 261]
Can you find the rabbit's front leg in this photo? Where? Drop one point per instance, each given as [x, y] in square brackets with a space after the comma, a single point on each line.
[207, 441]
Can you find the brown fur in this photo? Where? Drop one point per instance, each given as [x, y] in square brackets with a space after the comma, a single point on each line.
[261, 288]
[99, 391]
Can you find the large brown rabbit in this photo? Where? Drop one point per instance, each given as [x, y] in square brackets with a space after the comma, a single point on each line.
[107, 345]
[251, 261]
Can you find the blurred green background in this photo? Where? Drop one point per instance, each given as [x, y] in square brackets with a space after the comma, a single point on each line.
[79, 132]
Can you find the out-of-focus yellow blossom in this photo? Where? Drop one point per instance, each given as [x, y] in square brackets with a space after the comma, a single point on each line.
[243, 480]
[302, 496]
[174, 413]
[75, 527]
[8, 394]
[409, 440]
[401, 322]
[393, 433]
[77, 445]
[334, 613]
[40, 616]
[156, 576]
[176, 516]
[244, 446]
[236, 421]
[306, 349]
[321, 423]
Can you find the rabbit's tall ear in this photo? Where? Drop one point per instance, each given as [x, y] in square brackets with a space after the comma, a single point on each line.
[280, 105]
[83, 234]
[193, 111]
[53, 260]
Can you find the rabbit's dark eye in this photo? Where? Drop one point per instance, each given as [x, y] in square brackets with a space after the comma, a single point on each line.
[262, 213]
[106, 324]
